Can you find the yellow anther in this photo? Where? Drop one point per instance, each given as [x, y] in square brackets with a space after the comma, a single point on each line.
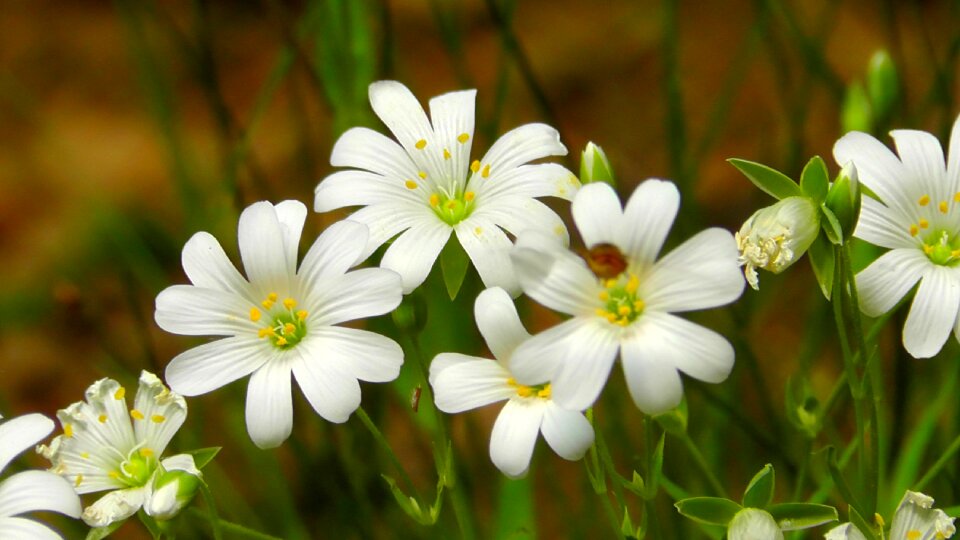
[913, 535]
[302, 314]
[289, 303]
[289, 328]
[525, 391]
[85, 455]
[611, 317]
[925, 200]
[623, 321]
[267, 304]
[956, 197]
[914, 230]
[475, 166]
[451, 204]
[136, 415]
[272, 297]
[68, 430]
[463, 138]
[611, 283]
[254, 314]
[511, 381]
[120, 393]
[924, 223]
[468, 196]
[623, 310]
[955, 253]
[545, 392]
[113, 474]
[422, 175]
[602, 313]
[638, 305]
[410, 184]
[78, 480]
[632, 284]
[478, 231]
[102, 419]
[281, 341]
[486, 171]
[264, 332]
[434, 199]
[146, 452]
[942, 207]
[157, 418]
[421, 144]
[604, 296]
[927, 249]
[446, 154]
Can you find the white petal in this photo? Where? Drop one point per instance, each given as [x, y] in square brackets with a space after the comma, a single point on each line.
[522, 145]
[212, 365]
[360, 188]
[358, 294]
[697, 351]
[953, 158]
[263, 249]
[567, 432]
[539, 180]
[753, 524]
[195, 311]
[575, 357]
[452, 115]
[844, 532]
[114, 506]
[560, 282]
[922, 159]
[882, 284]
[270, 404]
[654, 382]
[26, 529]
[514, 435]
[206, 265]
[933, 312]
[882, 226]
[597, 212]
[364, 148]
[520, 214]
[20, 433]
[362, 354]
[181, 462]
[877, 167]
[647, 219]
[468, 382]
[443, 361]
[700, 273]
[386, 220]
[499, 322]
[331, 391]
[334, 252]
[489, 251]
[402, 113]
[38, 490]
[412, 254]
[163, 413]
[291, 215]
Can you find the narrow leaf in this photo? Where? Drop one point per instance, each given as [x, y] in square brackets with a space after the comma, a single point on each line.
[831, 226]
[815, 180]
[793, 516]
[822, 259]
[771, 181]
[454, 263]
[98, 533]
[203, 456]
[708, 510]
[862, 524]
[759, 491]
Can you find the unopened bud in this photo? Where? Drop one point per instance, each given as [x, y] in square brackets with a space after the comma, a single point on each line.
[172, 492]
[776, 236]
[843, 199]
[594, 166]
[753, 524]
[882, 85]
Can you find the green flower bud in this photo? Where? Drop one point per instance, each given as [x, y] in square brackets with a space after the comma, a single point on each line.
[843, 199]
[594, 166]
[411, 315]
[882, 84]
[856, 114]
[776, 236]
[172, 491]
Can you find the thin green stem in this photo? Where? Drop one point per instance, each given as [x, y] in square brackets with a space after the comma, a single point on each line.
[702, 464]
[939, 464]
[235, 529]
[651, 477]
[385, 444]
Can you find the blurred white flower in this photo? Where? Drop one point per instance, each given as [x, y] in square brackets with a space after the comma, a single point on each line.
[917, 216]
[622, 299]
[105, 447]
[281, 320]
[426, 186]
[462, 382]
[915, 519]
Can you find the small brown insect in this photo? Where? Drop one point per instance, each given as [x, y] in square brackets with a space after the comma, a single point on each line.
[415, 398]
[606, 261]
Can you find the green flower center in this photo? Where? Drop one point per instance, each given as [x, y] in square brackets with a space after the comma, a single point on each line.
[454, 209]
[285, 324]
[942, 248]
[620, 304]
[137, 469]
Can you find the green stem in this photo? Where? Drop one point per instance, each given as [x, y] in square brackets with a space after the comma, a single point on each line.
[649, 458]
[236, 530]
[385, 444]
[702, 464]
[939, 464]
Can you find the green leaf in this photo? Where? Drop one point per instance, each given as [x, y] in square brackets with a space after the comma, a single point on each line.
[815, 180]
[793, 516]
[626, 528]
[151, 524]
[862, 524]
[636, 485]
[674, 421]
[98, 533]
[203, 456]
[759, 491]
[454, 263]
[838, 478]
[823, 262]
[831, 226]
[771, 181]
[708, 510]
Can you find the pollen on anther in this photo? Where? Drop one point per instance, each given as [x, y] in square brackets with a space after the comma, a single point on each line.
[925, 200]
[486, 171]
[924, 223]
[136, 415]
[604, 296]
[468, 196]
[446, 154]
[85, 455]
[68, 430]
[434, 199]
[264, 332]
[956, 197]
[475, 166]
[942, 207]
[281, 341]
[544, 393]
[602, 313]
[914, 230]
[267, 304]
[928, 249]
[289, 303]
[302, 314]
[78, 481]
[120, 393]
[102, 419]
[289, 328]
[146, 452]
[157, 418]
[272, 297]
[463, 138]
[623, 310]
[410, 184]
[421, 144]
[422, 175]
[254, 314]
[478, 231]
[451, 204]
[113, 474]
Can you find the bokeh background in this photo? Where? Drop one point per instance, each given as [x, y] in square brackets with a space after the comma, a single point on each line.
[125, 127]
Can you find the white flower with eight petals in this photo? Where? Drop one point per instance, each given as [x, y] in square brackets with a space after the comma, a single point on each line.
[425, 186]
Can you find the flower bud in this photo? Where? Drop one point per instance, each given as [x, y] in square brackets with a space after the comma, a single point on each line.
[172, 491]
[776, 236]
[594, 166]
[753, 524]
[843, 199]
[882, 84]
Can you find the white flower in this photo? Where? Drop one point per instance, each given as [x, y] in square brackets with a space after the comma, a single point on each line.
[753, 524]
[105, 447]
[427, 186]
[463, 382]
[776, 236]
[916, 216]
[626, 303]
[915, 519]
[30, 491]
[281, 320]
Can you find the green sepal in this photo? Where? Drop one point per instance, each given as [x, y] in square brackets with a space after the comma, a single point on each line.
[815, 180]
[203, 456]
[98, 533]
[454, 263]
[636, 485]
[674, 421]
[831, 226]
[759, 491]
[152, 525]
[594, 166]
[862, 525]
[793, 516]
[411, 506]
[708, 510]
[656, 469]
[823, 262]
[856, 113]
[626, 528]
[771, 181]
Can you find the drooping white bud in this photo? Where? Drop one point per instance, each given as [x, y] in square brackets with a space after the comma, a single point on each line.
[776, 236]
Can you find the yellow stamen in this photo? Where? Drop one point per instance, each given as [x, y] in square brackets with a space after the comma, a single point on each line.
[623, 321]
[254, 314]
[632, 284]
[486, 171]
[281, 341]
[264, 332]
[604, 296]
[925, 200]
[85, 455]
[302, 314]
[927, 249]
[914, 230]
[468, 196]
[78, 480]
[611, 283]
[451, 204]
[113, 474]
[913, 535]
[267, 304]
[421, 144]
[611, 317]
[410, 184]
[136, 415]
[602, 313]
[146, 452]
[638, 305]
[524, 391]
[157, 418]
[289, 328]
[102, 419]
[956, 197]
[289, 303]
[272, 297]
[434, 199]
[446, 154]
[463, 138]
[68, 430]
[422, 175]
[545, 393]
[475, 166]
[924, 223]
[478, 231]
[942, 207]
[623, 310]
[120, 393]
[955, 253]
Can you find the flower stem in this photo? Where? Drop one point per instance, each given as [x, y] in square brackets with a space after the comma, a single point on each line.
[236, 530]
[701, 462]
[939, 464]
[385, 444]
